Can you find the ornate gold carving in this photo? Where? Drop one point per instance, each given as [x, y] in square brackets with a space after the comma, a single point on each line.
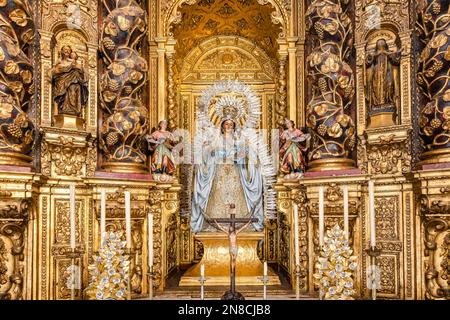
[171, 243]
[433, 78]
[16, 82]
[332, 81]
[227, 56]
[13, 222]
[436, 240]
[387, 223]
[62, 222]
[281, 109]
[171, 92]
[125, 73]
[388, 274]
[300, 198]
[197, 20]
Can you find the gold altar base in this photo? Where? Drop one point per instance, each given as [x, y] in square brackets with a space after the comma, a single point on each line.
[15, 159]
[331, 164]
[124, 167]
[216, 259]
[435, 156]
[382, 119]
[69, 122]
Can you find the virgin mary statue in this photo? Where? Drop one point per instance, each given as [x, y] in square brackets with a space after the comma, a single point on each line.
[227, 171]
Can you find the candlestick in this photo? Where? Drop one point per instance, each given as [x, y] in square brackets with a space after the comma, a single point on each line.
[297, 253]
[103, 216]
[372, 214]
[150, 240]
[321, 217]
[72, 216]
[202, 270]
[128, 218]
[346, 212]
[265, 268]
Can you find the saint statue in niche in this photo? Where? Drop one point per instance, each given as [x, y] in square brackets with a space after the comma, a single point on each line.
[382, 78]
[228, 173]
[161, 143]
[70, 83]
[292, 158]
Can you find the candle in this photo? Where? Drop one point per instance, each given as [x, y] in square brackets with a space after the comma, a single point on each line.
[372, 214]
[150, 241]
[265, 268]
[128, 218]
[346, 212]
[321, 216]
[103, 216]
[297, 253]
[202, 270]
[72, 216]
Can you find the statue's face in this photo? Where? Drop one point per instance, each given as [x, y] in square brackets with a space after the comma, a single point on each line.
[163, 125]
[66, 51]
[289, 124]
[228, 125]
[382, 45]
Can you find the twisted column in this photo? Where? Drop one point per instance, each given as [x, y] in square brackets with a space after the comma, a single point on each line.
[125, 118]
[332, 83]
[281, 110]
[433, 78]
[16, 82]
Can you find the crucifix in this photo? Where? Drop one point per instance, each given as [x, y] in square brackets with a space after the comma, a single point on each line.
[232, 233]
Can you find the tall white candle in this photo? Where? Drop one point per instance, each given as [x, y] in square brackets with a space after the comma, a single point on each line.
[297, 253]
[72, 216]
[372, 214]
[150, 240]
[346, 211]
[128, 218]
[265, 268]
[321, 216]
[103, 216]
[202, 270]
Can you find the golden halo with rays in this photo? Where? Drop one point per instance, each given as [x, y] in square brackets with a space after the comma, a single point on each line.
[229, 100]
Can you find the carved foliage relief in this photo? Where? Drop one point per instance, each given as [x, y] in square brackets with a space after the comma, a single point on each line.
[16, 76]
[433, 77]
[124, 74]
[14, 216]
[332, 80]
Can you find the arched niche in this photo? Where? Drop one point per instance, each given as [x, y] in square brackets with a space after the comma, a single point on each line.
[227, 57]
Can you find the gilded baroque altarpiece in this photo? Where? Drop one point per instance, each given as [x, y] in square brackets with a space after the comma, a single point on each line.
[141, 61]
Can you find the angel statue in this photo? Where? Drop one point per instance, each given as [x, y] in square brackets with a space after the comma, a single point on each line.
[161, 143]
[292, 151]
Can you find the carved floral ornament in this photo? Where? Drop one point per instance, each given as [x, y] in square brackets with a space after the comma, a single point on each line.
[125, 73]
[433, 76]
[16, 77]
[328, 69]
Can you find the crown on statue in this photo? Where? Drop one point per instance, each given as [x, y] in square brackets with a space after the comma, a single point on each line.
[230, 108]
